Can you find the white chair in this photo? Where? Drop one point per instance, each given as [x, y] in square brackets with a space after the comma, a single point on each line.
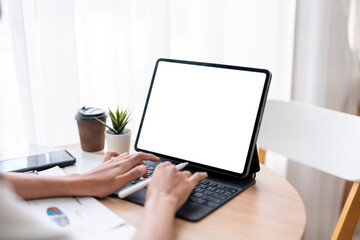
[323, 139]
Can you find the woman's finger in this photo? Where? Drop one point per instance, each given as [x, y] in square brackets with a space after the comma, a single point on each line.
[122, 156]
[146, 175]
[109, 155]
[186, 173]
[132, 174]
[198, 176]
[136, 159]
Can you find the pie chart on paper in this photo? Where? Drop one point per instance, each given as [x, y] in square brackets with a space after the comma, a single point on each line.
[57, 216]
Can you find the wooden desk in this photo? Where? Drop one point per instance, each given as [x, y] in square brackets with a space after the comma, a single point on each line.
[271, 209]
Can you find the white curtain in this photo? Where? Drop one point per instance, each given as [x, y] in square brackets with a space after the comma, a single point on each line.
[70, 53]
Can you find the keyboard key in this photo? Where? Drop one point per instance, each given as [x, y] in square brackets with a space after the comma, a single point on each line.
[219, 196]
[208, 193]
[200, 201]
[212, 199]
[211, 204]
[211, 193]
[197, 200]
[229, 189]
[193, 199]
[198, 194]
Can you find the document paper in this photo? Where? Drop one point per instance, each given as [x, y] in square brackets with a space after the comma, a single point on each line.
[78, 216]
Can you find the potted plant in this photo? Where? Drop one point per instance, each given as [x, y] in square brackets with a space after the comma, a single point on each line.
[118, 137]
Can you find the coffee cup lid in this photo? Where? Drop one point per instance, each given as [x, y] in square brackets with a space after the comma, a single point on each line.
[88, 114]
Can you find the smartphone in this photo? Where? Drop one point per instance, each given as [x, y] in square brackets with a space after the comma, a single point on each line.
[38, 162]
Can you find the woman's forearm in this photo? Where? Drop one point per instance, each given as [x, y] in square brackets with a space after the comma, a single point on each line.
[158, 220]
[30, 186]
[108, 177]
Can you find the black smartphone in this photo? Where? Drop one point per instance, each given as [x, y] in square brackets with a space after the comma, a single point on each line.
[38, 162]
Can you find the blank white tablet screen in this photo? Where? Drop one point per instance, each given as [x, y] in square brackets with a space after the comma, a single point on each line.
[202, 114]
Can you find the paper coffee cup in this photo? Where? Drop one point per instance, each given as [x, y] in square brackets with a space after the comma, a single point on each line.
[91, 131]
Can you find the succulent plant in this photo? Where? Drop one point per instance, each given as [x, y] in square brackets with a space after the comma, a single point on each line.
[119, 120]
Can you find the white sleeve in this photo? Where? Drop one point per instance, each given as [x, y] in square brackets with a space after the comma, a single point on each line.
[17, 222]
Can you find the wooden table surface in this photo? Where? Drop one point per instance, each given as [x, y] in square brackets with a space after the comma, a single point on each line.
[271, 209]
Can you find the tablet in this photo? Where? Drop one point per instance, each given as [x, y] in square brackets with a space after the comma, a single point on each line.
[203, 113]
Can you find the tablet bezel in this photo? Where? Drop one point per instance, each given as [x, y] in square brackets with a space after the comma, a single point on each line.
[256, 127]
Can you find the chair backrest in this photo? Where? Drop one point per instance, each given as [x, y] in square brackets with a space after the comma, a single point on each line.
[323, 139]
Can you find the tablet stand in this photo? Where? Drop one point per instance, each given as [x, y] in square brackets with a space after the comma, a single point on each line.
[255, 165]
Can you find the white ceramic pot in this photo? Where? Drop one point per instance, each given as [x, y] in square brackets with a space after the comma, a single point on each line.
[118, 142]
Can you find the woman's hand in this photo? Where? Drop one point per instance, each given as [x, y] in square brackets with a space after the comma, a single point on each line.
[170, 185]
[114, 173]
[167, 192]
